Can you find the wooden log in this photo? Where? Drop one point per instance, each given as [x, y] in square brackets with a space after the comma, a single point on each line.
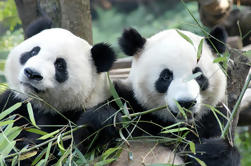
[122, 63]
[235, 42]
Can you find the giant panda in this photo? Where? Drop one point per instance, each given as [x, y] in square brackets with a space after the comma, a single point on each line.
[162, 73]
[59, 73]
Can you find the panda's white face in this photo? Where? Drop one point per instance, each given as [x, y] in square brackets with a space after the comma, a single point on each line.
[162, 72]
[56, 66]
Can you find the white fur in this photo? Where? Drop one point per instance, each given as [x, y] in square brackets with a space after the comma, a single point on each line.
[83, 84]
[167, 49]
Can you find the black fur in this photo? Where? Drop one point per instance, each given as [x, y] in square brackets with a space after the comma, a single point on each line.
[99, 117]
[202, 79]
[216, 152]
[131, 41]
[213, 40]
[37, 26]
[61, 70]
[164, 80]
[27, 55]
[103, 57]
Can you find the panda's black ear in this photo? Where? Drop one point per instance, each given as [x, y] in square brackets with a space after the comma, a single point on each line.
[37, 26]
[216, 35]
[103, 57]
[131, 41]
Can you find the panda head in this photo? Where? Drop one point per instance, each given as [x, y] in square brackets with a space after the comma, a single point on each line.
[163, 66]
[61, 69]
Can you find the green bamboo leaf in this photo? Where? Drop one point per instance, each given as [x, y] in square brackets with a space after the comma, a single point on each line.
[109, 152]
[126, 112]
[3, 123]
[219, 59]
[181, 110]
[81, 156]
[31, 115]
[122, 136]
[38, 158]
[176, 130]
[114, 93]
[63, 157]
[199, 51]
[60, 144]
[14, 161]
[192, 147]
[104, 162]
[10, 110]
[176, 124]
[36, 131]
[47, 152]
[185, 37]
[48, 135]
[40, 163]
[202, 163]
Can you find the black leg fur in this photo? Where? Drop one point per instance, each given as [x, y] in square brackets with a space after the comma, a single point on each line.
[131, 41]
[216, 152]
[98, 118]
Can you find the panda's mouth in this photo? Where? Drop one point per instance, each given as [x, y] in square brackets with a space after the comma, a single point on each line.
[32, 87]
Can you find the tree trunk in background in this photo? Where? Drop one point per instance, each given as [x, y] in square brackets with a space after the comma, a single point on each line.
[76, 17]
[27, 11]
[73, 15]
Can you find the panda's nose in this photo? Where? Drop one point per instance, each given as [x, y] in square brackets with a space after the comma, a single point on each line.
[187, 103]
[32, 74]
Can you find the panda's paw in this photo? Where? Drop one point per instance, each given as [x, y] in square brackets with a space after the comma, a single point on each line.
[101, 125]
[216, 152]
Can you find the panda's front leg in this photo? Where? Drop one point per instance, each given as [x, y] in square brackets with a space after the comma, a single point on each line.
[216, 152]
[101, 124]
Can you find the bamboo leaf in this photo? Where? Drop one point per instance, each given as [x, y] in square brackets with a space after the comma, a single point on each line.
[176, 124]
[199, 51]
[31, 115]
[60, 144]
[176, 130]
[185, 37]
[114, 93]
[10, 110]
[38, 158]
[104, 162]
[198, 160]
[47, 152]
[219, 59]
[109, 152]
[192, 147]
[181, 110]
[36, 131]
[48, 135]
[3, 123]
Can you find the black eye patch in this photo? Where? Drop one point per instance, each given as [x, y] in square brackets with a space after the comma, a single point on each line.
[202, 79]
[164, 80]
[27, 55]
[61, 70]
